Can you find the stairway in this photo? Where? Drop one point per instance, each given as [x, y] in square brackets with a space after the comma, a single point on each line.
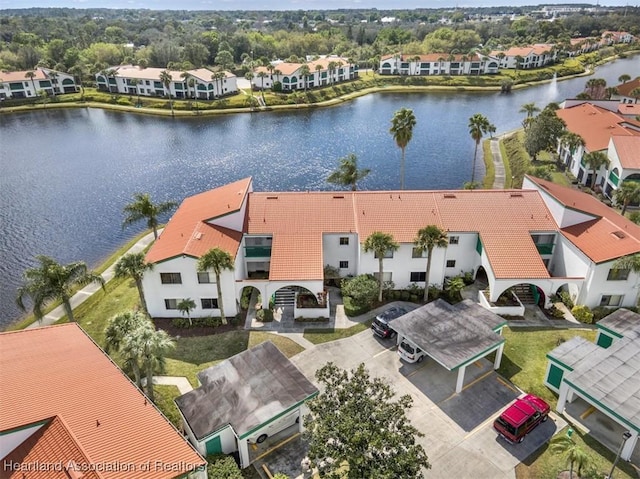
[285, 297]
[524, 294]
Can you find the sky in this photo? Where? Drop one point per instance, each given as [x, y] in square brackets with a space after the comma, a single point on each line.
[282, 4]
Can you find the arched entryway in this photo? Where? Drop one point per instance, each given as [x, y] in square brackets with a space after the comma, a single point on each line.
[481, 277]
[526, 293]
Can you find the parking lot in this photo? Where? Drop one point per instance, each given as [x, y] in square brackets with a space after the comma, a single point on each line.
[458, 435]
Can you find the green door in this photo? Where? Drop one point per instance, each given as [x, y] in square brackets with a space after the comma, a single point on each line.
[604, 340]
[214, 446]
[555, 376]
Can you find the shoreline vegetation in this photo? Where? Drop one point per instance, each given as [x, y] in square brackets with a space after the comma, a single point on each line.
[368, 83]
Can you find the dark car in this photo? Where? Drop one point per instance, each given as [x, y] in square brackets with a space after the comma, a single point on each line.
[380, 324]
[521, 417]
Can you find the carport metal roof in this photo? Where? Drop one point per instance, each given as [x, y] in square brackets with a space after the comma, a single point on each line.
[621, 323]
[244, 391]
[572, 352]
[453, 335]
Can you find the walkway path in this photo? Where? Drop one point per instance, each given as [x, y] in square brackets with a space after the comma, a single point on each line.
[498, 163]
[182, 383]
[84, 294]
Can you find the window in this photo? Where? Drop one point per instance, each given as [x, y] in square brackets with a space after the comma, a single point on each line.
[170, 278]
[209, 303]
[386, 277]
[416, 253]
[171, 303]
[418, 276]
[344, 240]
[618, 274]
[611, 300]
[387, 254]
[204, 277]
[451, 263]
[344, 264]
[454, 239]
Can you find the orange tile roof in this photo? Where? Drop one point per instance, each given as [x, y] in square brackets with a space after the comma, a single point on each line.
[625, 89]
[150, 73]
[595, 125]
[628, 149]
[630, 109]
[53, 443]
[536, 49]
[435, 57]
[288, 68]
[188, 231]
[60, 371]
[608, 236]
[20, 75]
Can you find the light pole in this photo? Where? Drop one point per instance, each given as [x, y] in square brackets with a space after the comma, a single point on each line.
[625, 436]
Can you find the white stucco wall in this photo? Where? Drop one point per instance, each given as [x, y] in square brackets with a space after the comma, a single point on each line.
[156, 292]
[597, 285]
[568, 260]
[464, 254]
[563, 216]
[333, 252]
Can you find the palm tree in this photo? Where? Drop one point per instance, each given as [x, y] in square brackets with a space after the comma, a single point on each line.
[571, 141]
[331, 67]
[595, 160]
[348, 173]
[478, 126]
[218, 260]
[185, 76]
[118, 329]
[165, 79]
[627, 193]
[402, 125]
[610, 91]
[380, 244]
[31, 75]
[152, 346]
[530, 109]
[630, 262]
[318, 69]
[191, 83]
[185, 306]
[304, 73]
[428, 238]
[624, 78]
[143, 208]
[134, 82]
[78, 71]
[262, 75]
[573, 453]
[133, 266]
[453, 287]
[635, 93]
[54, 81]
[51, 281]
[595, 88]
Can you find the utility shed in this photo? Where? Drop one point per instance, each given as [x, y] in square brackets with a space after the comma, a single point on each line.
[622, 323]
[564, 358]
[453, 335]
[241, 397]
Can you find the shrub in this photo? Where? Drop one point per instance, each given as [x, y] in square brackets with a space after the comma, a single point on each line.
[468, 278]
[206, 322]
[221, 465]
[351, 309]
[565, 297]
[363, 289]
[600, 312]
[264, 315]
[434, 292]
[555, 312]
[582, 314]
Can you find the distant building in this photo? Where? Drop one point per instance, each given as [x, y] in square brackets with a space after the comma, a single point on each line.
[437, 64]
[527, 57]
[322, 72]
[19, 85]
[624, 91]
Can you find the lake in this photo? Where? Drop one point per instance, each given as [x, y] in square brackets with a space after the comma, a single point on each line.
[66, 174]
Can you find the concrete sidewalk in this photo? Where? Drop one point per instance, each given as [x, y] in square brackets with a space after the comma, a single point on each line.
[84, 294]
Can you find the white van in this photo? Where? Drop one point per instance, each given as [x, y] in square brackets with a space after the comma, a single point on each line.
[410, 352]
[275, 427]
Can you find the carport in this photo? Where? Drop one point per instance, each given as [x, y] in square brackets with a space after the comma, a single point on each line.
[453, 335]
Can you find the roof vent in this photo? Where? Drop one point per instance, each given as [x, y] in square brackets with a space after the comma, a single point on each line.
[338, 197]
[619, 234]
[272, 197]
[515, 195]
[449, 195]
[197, 236]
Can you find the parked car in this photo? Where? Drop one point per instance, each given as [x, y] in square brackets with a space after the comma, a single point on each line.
[380, 324]
[275, 427]
[521, 417]
[410, 352]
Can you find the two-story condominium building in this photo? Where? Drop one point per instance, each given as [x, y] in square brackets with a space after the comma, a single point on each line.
[623, 91]
[603, 129]
[321, 72]
[134, 80]
[530, 56]
[541, 237]
[437, 64]
[27, 84]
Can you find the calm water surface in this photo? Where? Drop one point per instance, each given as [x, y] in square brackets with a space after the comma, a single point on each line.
[66, 174]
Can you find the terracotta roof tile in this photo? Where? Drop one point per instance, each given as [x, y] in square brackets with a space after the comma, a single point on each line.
[150, 73]
[625, 89]
[296, 257]
[628, 149]
[59, 371]
[188, 232]
[595, 125]
[630, 109]
[20, 75]
[435, 57]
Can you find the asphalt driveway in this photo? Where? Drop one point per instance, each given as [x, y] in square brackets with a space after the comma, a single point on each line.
[459, 437]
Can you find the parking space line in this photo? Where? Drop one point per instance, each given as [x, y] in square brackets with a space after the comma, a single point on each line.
[277, 446]
[588, 412]
[505, 383]
[482, 426]
[417, 370]
[384, 351]
[478, 379]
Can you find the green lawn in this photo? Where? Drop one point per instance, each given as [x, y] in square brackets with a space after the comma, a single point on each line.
[490, 175]
[319, 336]
[165, 395]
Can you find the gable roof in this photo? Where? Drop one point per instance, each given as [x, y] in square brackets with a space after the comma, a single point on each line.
[242, 392]
[59, 371]
[434, 57]
[630, 110]
[607, 237]
[7, 77]
[151, 73]
[188, 231]
[628, 150]
[625, 89]
[595, 125]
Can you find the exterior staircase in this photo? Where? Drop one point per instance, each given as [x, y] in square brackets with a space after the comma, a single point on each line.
[285, 297]
[524, 294]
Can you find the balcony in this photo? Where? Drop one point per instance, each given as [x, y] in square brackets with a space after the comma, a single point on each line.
[546, 248]
[257, 251]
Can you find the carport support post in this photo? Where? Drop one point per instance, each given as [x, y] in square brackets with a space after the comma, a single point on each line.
[629, 446]
[496, 363]
[460, 381]
[243, 450]
[562, 397]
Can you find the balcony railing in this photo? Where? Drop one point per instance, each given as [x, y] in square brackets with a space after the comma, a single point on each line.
[546, 248]
[257, 251]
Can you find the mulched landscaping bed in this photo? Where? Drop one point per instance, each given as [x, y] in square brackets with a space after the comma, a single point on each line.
[165, 324]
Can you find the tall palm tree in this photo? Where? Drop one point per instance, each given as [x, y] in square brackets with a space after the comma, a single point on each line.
[610, 91]
[348, 173]
[624, 78]
[530, 109]
[78, 71]
[51, 281]
[166, 79]
[134, 82]
[627, 193]
[635, 93]
[120, 327]
[153, 346]
[185, 306]
[31, 75]
[318, 69]
[478, 126]
[218, 260]
[380, 244]
[428, 238]
[191, 83]
[53, 76]
[573, 453]
[331, 67]
[249, 76]
[185, 76]
[630, 262]
[595, 160]
[143, 208]
[304, 73]
[133, 266]
[402, 125]
[262, 75]
[571, 141]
